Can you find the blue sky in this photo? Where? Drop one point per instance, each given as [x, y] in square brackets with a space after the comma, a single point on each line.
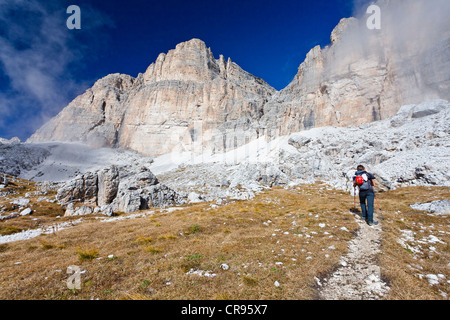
[44, 65]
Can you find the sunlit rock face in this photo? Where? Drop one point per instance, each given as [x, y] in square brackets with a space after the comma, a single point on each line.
[186, 97]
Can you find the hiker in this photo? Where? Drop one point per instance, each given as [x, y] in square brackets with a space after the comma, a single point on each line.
[365, 181]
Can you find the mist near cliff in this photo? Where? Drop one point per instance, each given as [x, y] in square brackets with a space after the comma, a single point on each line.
[414, 39]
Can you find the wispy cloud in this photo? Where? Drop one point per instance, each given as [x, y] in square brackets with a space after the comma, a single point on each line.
[38, 57]
[413, 39]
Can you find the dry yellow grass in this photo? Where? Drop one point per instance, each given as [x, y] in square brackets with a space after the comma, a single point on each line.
[404, 269]
[274, 237]
[288, 236]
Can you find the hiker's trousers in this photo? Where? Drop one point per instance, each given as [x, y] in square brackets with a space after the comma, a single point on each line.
[366, 200]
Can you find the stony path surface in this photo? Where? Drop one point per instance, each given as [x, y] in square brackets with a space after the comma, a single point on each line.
[358, 276]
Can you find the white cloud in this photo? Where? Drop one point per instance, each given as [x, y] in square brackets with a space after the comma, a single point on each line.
[37, 56]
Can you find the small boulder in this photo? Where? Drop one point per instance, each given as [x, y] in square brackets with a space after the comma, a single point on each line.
[26, 212]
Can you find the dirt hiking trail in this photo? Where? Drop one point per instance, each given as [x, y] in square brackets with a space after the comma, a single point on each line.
[358, 276]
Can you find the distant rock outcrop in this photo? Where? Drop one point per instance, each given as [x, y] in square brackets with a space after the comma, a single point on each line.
[112, 190]
[82, 189]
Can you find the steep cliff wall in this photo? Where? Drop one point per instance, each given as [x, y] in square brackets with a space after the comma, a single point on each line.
[186, 98]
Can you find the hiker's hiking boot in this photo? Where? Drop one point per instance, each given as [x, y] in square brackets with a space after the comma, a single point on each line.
[372, 223]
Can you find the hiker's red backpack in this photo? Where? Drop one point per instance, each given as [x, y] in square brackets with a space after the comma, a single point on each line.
[362, 181]
[359, 180]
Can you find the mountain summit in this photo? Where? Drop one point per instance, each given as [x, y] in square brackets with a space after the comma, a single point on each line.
[182, 92]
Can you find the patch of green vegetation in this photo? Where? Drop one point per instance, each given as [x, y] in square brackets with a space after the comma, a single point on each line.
[194, 229]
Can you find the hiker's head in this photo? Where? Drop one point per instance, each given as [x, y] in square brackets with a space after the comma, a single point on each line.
[360, 168]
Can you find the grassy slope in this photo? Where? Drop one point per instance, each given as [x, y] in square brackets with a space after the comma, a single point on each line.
[152, 255]
[404, 269]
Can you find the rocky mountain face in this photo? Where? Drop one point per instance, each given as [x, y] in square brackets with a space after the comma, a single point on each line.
[185, 96]
[189, 101]
[361, 77]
